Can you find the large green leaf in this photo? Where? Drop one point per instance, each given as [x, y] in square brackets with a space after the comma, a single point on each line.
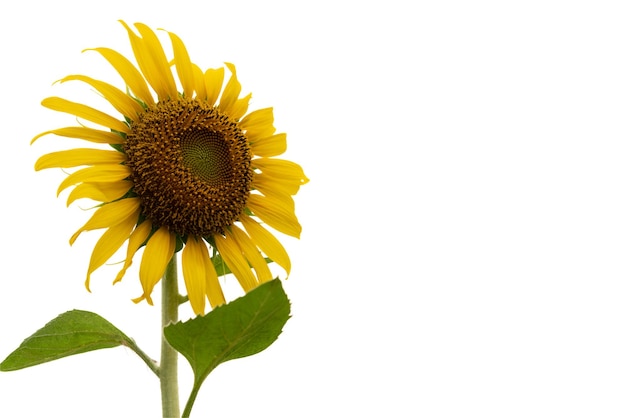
[238, 329]
[70, 333]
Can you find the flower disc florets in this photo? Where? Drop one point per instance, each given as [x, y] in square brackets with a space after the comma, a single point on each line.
[191, 167]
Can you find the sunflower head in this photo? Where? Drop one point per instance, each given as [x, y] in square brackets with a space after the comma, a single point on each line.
[191, 166]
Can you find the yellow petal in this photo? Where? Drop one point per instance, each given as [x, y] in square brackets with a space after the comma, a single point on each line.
[258, 124]
[240, 107]
[260, 116]
[193, 259]
[78, 156]
[231, 91]
[157, 254]
[285, 200]
[110, 242]
[122, 102]
[98, 173]
[100, 192]
[85, 112]
[159, 60]
[213, 80]
[88, 134]
[231, 253]
[184, 68]
[109, 215]
[282, 169]
[152, 61]
[136, 240]
[251, 253]
[274, 185]
[198, 79]
[213, 288]
[272, 211]
[132, 77]
[267, 243]
[270, 146]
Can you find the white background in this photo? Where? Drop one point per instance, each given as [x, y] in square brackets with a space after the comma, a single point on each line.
[464, 240]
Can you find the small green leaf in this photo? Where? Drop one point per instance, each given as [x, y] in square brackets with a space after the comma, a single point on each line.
[220, 265]
[70, 333]
[222, 268]
[238, 329]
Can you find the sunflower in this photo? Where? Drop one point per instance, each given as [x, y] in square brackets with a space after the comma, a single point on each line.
[189, 171]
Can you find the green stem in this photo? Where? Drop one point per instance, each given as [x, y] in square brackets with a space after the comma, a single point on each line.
[146, 358]
[191, 400]
[169, 356]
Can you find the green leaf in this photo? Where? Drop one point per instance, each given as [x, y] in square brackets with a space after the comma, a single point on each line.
[222, 268]
[238, 329]
[220, 265]
[70, 333]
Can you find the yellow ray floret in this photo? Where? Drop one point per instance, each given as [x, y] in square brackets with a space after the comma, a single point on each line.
[123, 103]
[135, 241]
[184, 67]
[87, 134]
[157, 254]
[270, 146]
[213, 287]
[231, 91]
[111, 241]
[79, 156]
[194, 272]
[85, 112]
[273, 212]
[152, 61]
[213, 79]
[109, 215]
[251, 253]
[267, 242]
[99, 173]
[100, 191]
[232, 255]
[129, 74]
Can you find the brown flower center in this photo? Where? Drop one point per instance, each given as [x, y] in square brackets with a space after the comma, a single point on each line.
[191, 167]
